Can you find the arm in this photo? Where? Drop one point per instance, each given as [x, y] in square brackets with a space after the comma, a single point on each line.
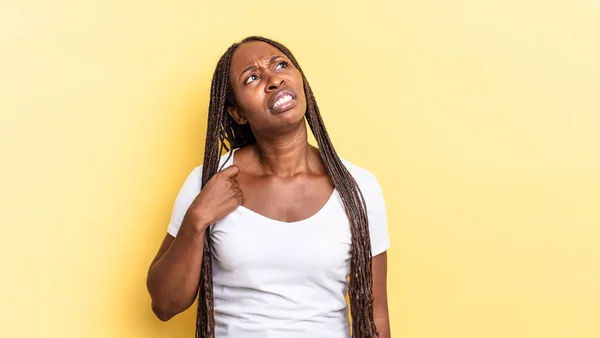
[174, 274]
[380, 305]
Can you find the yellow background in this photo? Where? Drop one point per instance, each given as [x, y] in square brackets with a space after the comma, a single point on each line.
[480, 118]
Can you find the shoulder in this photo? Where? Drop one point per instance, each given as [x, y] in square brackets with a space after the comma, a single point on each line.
[224, 161]
[376, 207]
[363, 177]
[187, 193]
[366, 181]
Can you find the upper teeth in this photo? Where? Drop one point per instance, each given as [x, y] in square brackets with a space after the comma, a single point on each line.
[284, 99]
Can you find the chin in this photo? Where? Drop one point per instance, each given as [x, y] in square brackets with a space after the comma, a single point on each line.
[293, 115]
[289, 120]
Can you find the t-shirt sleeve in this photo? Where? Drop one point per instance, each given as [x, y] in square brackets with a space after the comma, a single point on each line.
[376, 212]
[187, 194]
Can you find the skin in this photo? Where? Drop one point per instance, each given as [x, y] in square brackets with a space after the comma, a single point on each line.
[281, 177]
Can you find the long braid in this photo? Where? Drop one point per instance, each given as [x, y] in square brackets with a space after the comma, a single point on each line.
[360, 288]
[205, 320]
[223, 130]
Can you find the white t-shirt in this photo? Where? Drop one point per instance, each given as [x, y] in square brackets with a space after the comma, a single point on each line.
[276, 279]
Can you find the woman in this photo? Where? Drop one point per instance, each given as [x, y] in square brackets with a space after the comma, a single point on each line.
[273, 233]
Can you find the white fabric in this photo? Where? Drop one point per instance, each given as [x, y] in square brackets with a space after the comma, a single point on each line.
[284, 279]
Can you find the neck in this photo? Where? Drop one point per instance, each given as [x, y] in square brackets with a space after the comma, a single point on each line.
[286, 154]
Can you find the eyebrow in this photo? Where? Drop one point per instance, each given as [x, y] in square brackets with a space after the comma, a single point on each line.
[253, 67]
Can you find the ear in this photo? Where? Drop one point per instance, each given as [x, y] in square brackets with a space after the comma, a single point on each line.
[237, 115]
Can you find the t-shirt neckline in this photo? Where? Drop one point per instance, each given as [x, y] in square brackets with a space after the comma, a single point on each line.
[275, 221]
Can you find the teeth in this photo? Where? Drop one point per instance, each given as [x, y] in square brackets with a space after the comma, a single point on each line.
[282, 100]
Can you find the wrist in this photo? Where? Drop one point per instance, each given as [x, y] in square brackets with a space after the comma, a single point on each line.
[196, 223]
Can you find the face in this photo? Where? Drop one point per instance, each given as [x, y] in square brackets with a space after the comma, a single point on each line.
[268, 89]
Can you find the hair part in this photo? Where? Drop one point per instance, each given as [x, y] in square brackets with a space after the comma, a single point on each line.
[223, 133]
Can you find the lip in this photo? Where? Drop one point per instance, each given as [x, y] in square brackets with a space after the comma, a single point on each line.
[285, 106]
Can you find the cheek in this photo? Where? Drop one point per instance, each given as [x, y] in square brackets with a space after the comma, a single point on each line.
[301, 95]
[256, 99]
[300, 86]
[251, 101]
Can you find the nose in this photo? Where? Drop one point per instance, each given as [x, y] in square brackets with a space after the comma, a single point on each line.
[274, 83]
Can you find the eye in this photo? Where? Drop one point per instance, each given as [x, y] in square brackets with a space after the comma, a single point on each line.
[283, 64]
[250, 78]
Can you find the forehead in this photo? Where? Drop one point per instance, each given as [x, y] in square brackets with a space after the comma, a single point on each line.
[251, 53]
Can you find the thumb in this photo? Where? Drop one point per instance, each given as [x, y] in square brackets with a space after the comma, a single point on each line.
[231, 171]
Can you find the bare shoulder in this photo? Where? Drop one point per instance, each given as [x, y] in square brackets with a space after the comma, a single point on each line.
[246, 158]
[317, 166]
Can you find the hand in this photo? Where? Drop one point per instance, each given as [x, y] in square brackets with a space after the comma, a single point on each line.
[220, 196]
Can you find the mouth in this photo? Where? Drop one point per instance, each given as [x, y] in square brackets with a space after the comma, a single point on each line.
[282, 101]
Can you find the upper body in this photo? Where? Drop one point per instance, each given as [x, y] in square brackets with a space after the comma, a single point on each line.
[280, 276]
[273, 235]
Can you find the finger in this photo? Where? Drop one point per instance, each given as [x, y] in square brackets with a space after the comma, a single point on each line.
[234, 183]
[237, 191]
[231, 171]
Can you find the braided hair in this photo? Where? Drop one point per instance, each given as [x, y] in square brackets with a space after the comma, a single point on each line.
[223, 133]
